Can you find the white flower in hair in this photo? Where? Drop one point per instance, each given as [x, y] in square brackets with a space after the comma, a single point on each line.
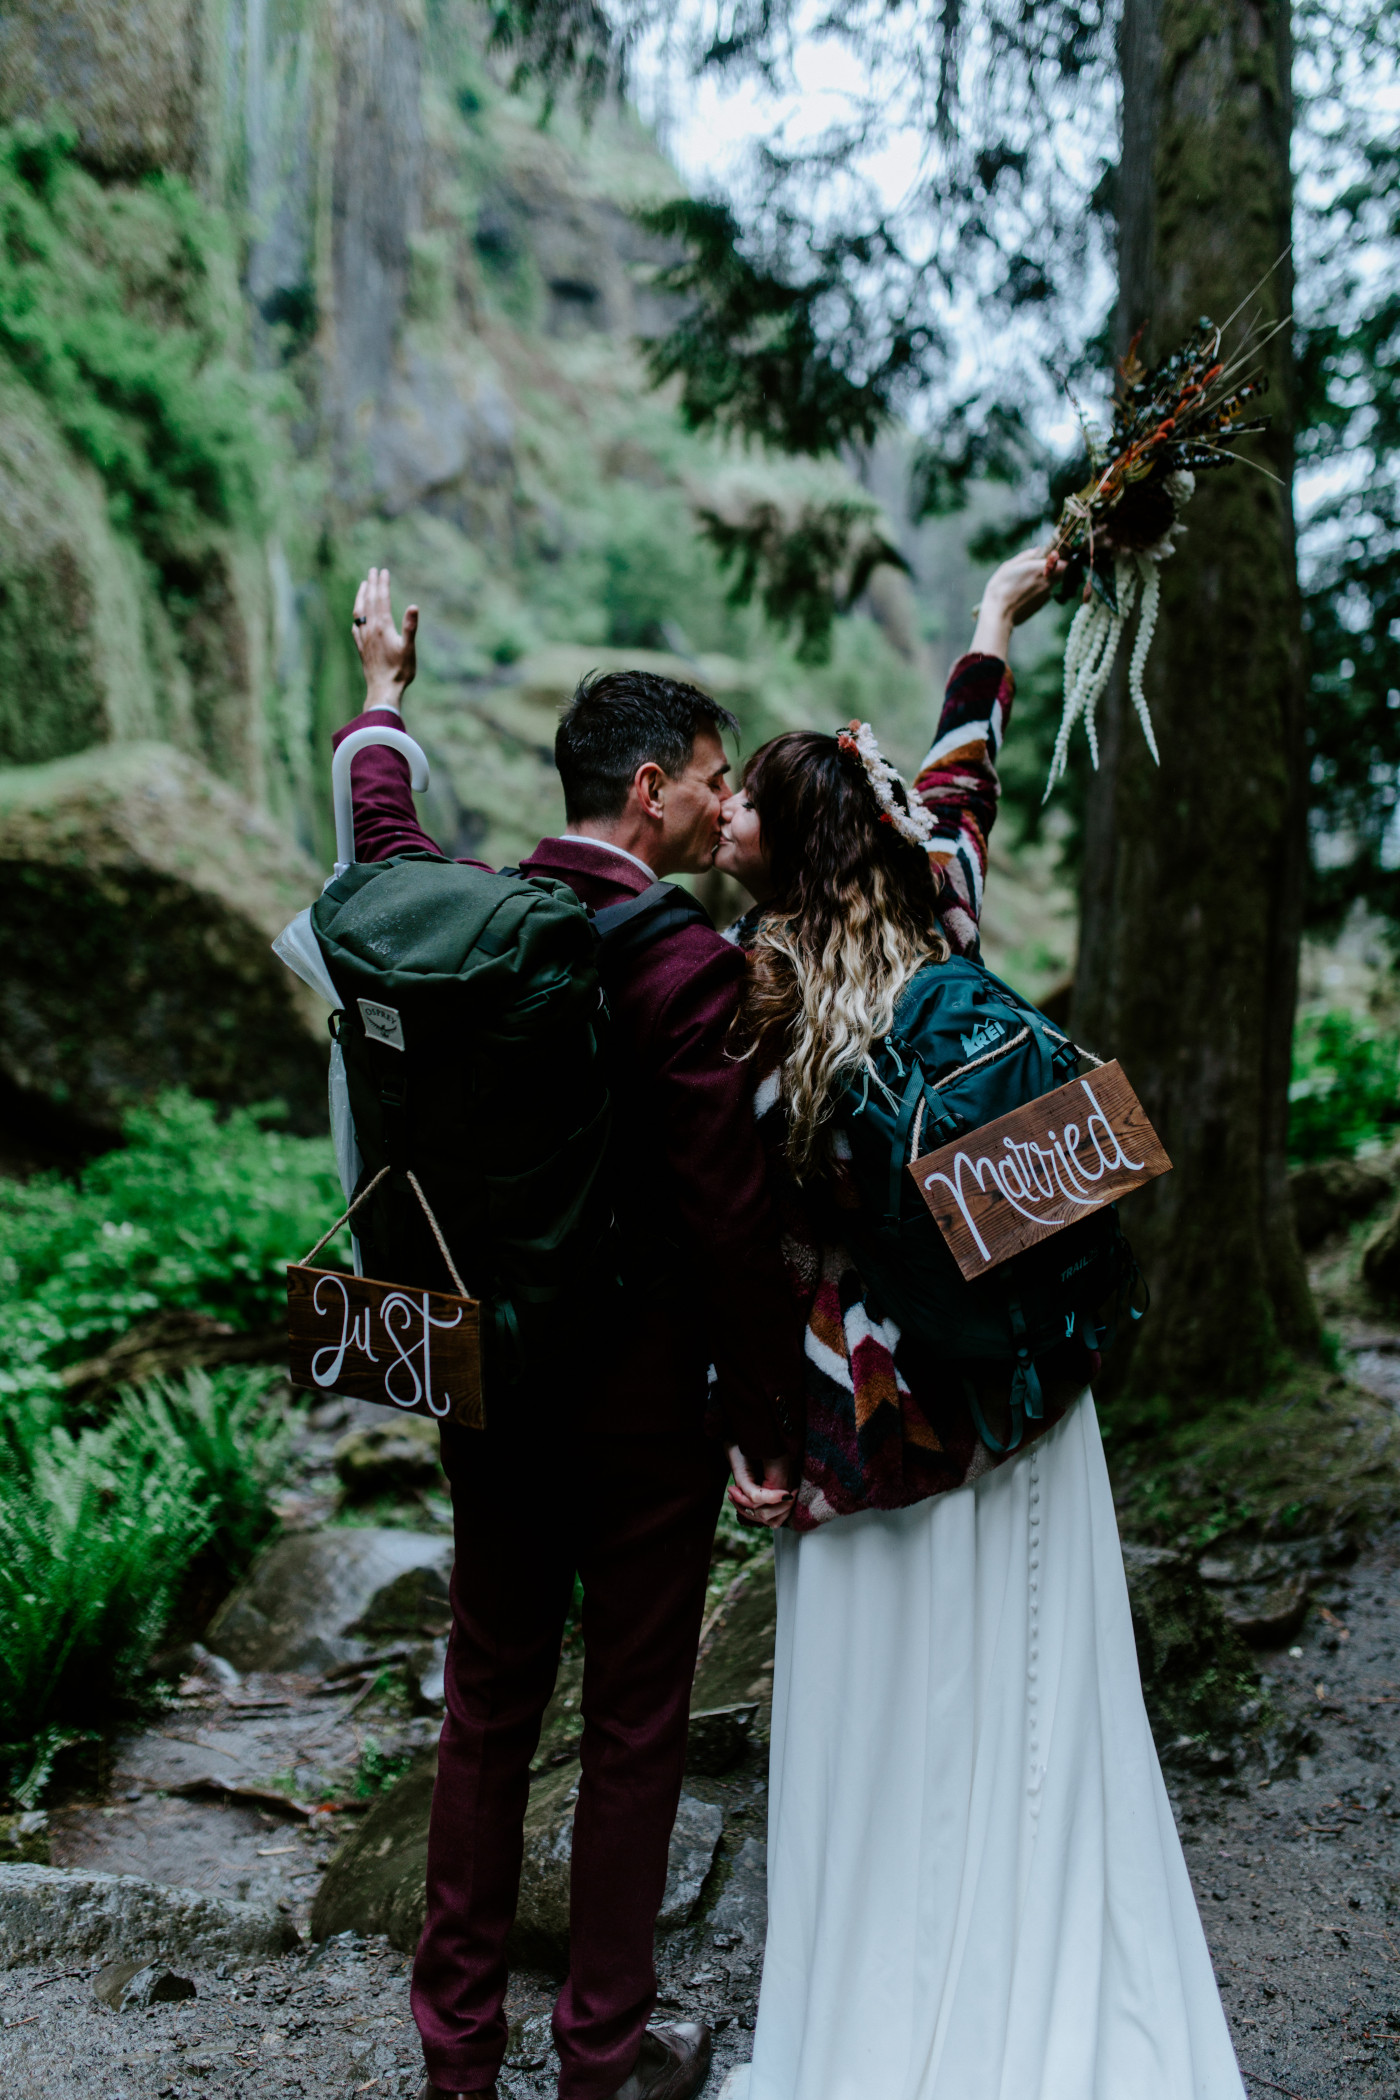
[909, 818]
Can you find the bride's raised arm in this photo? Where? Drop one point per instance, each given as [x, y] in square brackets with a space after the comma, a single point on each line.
[958, 782]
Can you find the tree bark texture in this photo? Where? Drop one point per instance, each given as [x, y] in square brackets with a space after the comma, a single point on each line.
[1193, 881]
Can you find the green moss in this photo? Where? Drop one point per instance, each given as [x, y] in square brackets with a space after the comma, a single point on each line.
[1312, 1454]
[1198, 1677]
[118, 306]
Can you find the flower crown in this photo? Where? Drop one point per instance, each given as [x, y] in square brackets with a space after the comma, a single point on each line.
[909, 818]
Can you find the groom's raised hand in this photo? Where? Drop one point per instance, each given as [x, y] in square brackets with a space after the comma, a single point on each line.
[390, 659]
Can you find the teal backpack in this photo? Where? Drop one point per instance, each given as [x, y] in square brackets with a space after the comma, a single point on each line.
[963, 1050]
[474, 1029]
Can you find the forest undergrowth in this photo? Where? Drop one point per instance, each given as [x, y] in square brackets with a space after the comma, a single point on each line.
[114, 1499]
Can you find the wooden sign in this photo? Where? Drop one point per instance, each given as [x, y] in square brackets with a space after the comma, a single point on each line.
[1045, 1166]
[414, 1350]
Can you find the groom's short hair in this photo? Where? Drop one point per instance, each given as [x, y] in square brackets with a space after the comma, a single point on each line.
[619, 720]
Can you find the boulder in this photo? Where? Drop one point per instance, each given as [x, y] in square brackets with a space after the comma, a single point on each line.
[141, 898]
[539, 1938]
[375, 1882]
[1333, 1193]
[416, 1602]
[398, 1453]
[306, 1597]
[699, 1826]
[51, 1915]
[1198, 1678]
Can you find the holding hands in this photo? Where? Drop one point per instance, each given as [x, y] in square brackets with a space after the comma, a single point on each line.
[390, 659]
[769, 1505]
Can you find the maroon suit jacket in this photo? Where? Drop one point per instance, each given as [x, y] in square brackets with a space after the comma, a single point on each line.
[689, 1166]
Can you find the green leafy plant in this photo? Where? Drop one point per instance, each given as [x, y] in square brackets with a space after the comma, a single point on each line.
[192, 1212]
[378, 1769]
[1345, 1088]
[235, 1437]
[98, 1528]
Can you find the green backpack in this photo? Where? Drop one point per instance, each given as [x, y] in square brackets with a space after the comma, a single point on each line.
[963, 1050]
[474, 1031]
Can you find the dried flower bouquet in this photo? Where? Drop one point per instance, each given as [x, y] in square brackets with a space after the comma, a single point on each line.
[1180, 419]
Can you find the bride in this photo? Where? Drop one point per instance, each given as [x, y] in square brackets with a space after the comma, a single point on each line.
[976, 1889]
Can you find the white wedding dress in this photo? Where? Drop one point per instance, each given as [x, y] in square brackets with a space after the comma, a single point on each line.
[976, 1888]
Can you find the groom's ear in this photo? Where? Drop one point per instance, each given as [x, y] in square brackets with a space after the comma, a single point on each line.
[649, 785]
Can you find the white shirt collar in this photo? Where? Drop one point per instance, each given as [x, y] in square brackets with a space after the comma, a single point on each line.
[574, 838]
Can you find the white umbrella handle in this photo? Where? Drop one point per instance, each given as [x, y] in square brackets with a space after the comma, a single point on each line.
[358, 739]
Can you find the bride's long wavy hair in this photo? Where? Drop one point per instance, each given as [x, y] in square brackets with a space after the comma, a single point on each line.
[853, 915]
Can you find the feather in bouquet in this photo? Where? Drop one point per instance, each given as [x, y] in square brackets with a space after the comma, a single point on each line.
[1169, 424]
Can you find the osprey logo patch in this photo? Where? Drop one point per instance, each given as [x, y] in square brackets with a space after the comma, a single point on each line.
[383, 1024]
[980, 1039]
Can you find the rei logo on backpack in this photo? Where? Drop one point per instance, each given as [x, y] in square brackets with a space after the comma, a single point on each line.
[474, 1032]
[965, 1049]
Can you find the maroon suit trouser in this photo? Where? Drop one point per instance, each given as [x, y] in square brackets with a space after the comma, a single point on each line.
[635, 1517]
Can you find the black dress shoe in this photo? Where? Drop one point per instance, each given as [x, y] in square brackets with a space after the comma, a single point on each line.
[441, 2092]
[673, 2064]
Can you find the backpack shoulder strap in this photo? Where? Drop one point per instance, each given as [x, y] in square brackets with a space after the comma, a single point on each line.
[627, 929]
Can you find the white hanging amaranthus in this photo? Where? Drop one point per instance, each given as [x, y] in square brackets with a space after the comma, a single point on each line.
[1097, 629]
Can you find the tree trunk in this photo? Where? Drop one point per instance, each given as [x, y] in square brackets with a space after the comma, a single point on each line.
[1193, 881]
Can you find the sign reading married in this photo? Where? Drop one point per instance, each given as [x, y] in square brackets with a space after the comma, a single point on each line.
[1013, 1182]
[418, 1351]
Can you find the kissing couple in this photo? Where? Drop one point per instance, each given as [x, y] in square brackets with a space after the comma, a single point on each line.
[976, 1888]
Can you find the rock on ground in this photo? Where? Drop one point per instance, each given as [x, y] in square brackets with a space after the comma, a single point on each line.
[699, 1826]
[297, 1608]
[375, 1883]
[398, 1453]
[132, 1986]
[1333, 1193]
[736, 1645]
[47, 1914]
[741, 1915]
[1198, 1678]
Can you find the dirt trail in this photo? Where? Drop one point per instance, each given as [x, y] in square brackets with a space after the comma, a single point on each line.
[1298, 1883]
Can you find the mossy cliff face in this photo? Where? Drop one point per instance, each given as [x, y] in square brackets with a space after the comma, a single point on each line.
[132, 459]
[135, 78]
[290, 289]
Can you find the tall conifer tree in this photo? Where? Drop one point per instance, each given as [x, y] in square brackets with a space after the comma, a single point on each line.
[1193, 889]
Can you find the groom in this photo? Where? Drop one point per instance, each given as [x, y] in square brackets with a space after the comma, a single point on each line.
[615, 1479]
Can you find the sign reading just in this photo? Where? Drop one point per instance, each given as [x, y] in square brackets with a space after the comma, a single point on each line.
[1047, 1165]
[415, 1350]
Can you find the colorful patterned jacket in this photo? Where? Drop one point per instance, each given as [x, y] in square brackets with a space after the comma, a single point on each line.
[880, 1433]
